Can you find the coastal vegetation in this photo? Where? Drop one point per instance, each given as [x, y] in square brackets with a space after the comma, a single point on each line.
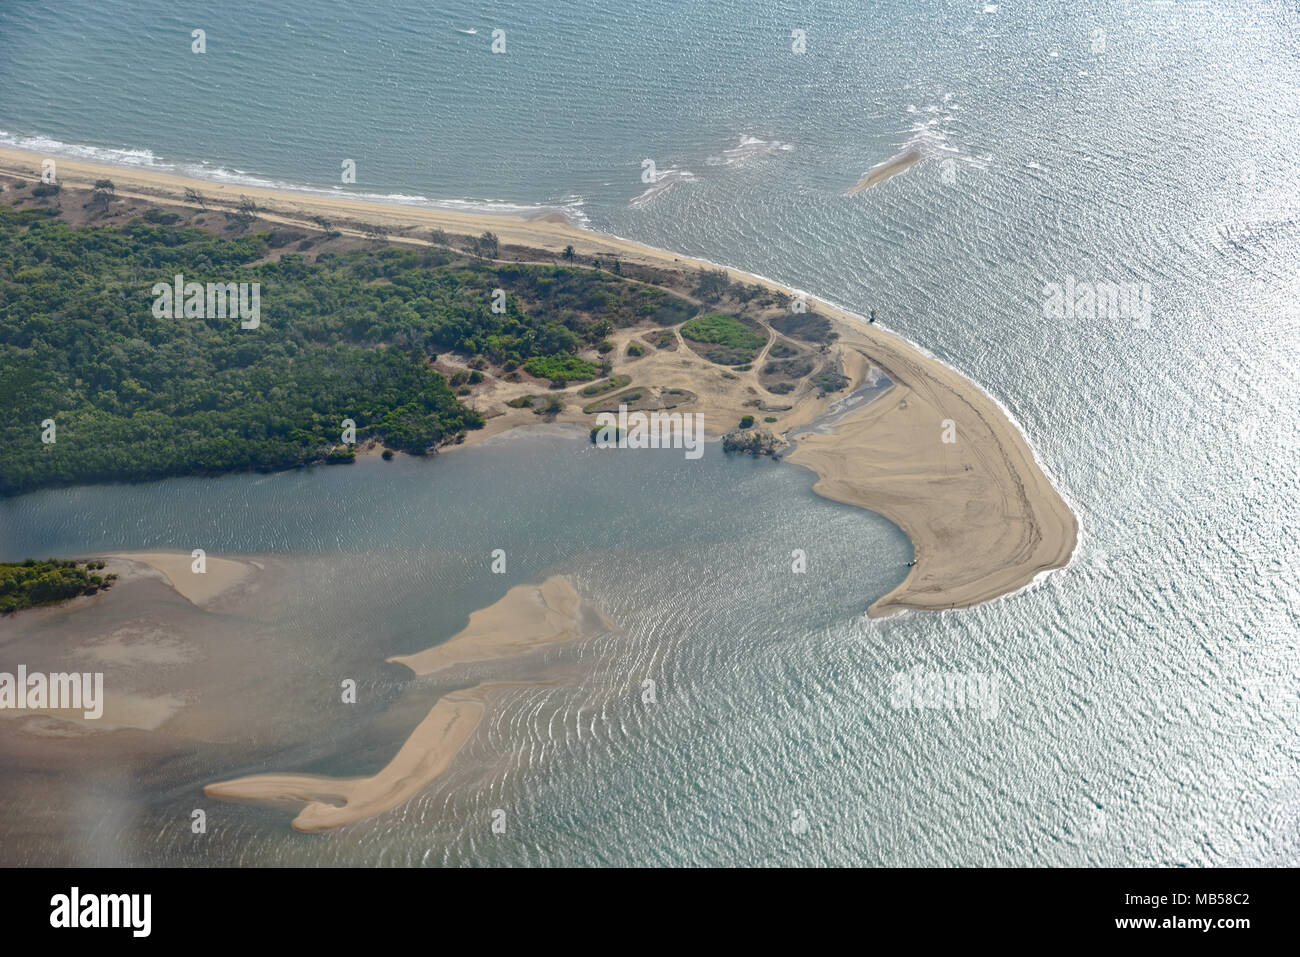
[750, 442]
[32, 582]
[562, 367]
[351, 334]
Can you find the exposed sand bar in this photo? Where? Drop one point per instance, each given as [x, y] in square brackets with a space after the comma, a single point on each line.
[886, 170]
[526, 618]
[333, 802]
[220, 575]
[983, 517]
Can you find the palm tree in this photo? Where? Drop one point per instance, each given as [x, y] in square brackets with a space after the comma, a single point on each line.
[104, 192]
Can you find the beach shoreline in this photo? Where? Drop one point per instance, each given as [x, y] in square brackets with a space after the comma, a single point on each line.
[938, 456]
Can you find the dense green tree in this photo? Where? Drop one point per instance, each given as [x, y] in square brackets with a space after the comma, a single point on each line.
[352, 335]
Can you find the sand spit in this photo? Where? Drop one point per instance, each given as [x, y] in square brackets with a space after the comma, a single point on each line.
[983, 517]
[221, 574]
[527, 617]
[333, 802]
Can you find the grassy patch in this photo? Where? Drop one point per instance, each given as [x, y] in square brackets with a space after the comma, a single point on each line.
[807, 326]
[562, 366]
[630, 398]
[724, 339]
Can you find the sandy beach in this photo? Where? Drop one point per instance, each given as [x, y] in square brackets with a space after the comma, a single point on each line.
[526, 618]
[983, 517]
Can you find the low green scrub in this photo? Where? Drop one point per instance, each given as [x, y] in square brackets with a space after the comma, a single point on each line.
[561, 366]
[724, 339]
[32, 582]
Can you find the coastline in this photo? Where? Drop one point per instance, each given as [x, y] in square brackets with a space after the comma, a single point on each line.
[984, 518]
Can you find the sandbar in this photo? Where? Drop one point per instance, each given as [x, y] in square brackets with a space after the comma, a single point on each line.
[221, 574]
[333, 802]
[527, 617]
[886, 170]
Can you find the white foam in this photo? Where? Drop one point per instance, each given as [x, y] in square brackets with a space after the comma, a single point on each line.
[749, 148]
[664, 181]
[571, 207]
